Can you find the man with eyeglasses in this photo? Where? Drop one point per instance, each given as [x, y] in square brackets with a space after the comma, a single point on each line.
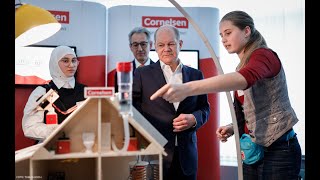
[140, 44]
[177, 122]
[63, 65]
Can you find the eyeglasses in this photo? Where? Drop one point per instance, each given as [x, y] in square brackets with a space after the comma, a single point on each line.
[135, 45]
[66, 62]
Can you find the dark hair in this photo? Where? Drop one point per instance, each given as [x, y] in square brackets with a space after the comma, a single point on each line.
[242, 20]
[175, 30]
[139, 30]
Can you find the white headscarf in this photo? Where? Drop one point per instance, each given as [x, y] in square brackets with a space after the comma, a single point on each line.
[58, 77]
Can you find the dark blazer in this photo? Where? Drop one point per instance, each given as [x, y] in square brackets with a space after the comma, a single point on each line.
[116, 76]
[160, 113]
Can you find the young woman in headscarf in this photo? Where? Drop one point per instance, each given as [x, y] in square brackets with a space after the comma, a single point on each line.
[63, 66]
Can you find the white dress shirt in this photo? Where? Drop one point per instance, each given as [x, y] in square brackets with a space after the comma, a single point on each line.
[139, 64]
[173, 77]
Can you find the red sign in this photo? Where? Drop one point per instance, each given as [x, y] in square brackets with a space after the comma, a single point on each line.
[157, 21]
[61, 16]
[98, 92]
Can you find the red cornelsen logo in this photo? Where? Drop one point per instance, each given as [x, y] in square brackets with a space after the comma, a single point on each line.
[157, 21]
[61, 16]
[98, 92]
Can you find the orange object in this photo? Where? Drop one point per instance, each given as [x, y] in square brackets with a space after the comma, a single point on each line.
[133, 144]
[63, 146]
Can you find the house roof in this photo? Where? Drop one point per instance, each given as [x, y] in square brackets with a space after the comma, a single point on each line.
[142, 125]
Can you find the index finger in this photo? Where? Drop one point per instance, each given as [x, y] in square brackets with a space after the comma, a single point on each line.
[160, 92]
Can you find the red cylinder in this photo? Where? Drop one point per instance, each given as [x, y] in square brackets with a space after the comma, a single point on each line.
[124, 67]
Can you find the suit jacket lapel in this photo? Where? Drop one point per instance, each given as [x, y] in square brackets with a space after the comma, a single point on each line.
[185, 74]
[159, 78]
[185, 78]
[133, 67]
[158, 75]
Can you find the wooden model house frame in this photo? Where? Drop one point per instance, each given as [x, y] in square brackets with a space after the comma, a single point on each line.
[36, 162]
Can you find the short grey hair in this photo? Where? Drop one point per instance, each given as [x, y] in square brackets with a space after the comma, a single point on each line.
[139, 30]
[175, 30]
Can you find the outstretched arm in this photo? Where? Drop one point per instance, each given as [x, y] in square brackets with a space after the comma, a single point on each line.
[220, 83]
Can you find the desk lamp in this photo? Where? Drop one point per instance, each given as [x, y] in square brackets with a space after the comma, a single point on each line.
[33, 24]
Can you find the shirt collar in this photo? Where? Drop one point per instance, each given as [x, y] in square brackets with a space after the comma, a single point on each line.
[178, 69]
[66, 84]
[138, 63]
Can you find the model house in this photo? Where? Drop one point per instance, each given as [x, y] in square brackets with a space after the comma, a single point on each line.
[64, 151]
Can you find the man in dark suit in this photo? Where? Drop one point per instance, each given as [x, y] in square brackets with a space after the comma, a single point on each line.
[140, 44]
[177, 122]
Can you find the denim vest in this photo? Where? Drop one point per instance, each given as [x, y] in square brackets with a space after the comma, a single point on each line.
[267, 109]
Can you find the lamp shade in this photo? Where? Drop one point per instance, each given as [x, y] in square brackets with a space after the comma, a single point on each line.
[33, 24]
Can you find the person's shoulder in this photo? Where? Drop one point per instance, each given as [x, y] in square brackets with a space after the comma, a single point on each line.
[48, 85]
[150, 66]
[39, 88]
[152, 62]
[262, 50]
[38, 91]
[195, 72]
[189, 68]
[81, 85]
[149, 69]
